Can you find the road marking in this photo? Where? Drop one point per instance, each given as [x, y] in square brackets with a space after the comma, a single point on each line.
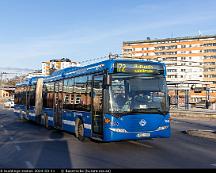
[36, 140]
[28, 164]
[11, 138]
[18, 148]
[214, 164]
[141, 144]
[1, 126]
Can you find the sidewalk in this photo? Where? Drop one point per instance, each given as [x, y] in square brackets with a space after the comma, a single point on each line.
[194, 113]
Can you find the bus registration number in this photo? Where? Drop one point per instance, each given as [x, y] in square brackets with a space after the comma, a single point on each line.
[139, 135]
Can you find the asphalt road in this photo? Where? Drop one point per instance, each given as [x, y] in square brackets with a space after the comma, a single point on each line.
[26, 145]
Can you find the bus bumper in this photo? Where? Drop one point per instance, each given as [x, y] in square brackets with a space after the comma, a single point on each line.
[111, 135]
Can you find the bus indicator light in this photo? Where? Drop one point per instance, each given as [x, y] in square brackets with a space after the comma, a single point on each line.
[107, 120]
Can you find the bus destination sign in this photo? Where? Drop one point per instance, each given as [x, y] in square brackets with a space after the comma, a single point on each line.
[125, 67]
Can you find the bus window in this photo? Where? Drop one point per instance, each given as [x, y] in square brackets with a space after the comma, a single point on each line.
[68, 94]
[32, 95]
[80, 93]
[138, 94]
[48, 95]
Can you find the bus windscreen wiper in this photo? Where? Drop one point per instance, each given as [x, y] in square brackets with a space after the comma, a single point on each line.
[148, 110]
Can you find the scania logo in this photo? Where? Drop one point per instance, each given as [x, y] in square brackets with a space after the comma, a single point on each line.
[142, 122]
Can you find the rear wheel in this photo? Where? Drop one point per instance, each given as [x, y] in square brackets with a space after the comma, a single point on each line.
[79, 130]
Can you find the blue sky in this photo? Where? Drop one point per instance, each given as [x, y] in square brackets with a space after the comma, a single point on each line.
[32, 31]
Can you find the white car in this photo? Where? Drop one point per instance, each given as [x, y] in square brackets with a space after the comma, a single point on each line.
[9, 103]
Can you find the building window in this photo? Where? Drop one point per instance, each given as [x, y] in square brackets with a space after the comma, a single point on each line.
[171, 70]
[209, 50]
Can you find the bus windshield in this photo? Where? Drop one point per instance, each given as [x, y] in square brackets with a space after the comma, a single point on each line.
[138, 94]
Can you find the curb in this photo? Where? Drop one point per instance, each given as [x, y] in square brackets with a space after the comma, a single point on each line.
[193, 114]
[210, 134]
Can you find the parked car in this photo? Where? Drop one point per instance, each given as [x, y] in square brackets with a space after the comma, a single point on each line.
[9, 103]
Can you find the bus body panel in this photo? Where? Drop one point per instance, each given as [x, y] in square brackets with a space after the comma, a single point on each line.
[31, 113]
[134, 127]
[17, 110]
[68, 121]
[20, 110]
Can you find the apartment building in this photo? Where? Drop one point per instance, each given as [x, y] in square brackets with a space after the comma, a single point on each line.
[57, 64]
[186, 58]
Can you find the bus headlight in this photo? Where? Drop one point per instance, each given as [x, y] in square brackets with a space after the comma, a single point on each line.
[118, 130]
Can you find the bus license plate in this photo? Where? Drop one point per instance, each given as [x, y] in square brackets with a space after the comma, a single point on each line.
[139, 135]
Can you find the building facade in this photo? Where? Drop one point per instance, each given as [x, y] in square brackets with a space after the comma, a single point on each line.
[186, 58]
[56, 64]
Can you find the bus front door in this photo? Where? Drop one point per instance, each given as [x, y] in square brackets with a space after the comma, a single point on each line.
[58, 104]
[97, 106]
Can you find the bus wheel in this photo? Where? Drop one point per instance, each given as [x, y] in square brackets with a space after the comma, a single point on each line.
[79, 130]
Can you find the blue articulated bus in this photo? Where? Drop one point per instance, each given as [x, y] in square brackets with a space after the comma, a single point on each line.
[116, 99]
[25, 98]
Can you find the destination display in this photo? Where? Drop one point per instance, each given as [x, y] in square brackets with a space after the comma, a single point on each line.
[125, 67]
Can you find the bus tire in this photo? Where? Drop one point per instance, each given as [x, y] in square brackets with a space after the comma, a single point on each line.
[79, 130]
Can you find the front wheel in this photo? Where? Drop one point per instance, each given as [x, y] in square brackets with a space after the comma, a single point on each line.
[79, 130]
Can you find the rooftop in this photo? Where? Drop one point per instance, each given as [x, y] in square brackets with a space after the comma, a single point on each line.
[148, 40]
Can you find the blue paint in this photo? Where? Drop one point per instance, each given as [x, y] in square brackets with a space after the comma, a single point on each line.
[131, 124]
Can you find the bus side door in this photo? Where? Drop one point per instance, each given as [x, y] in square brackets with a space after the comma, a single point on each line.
[97, 106]
[58, 104]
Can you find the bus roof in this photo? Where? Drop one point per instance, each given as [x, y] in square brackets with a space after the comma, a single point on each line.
[92, 68]
[29, 81]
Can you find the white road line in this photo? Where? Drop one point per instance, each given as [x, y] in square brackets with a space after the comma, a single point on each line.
[18, 148]
[141, 144]
[28, 164]
[214, 164]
